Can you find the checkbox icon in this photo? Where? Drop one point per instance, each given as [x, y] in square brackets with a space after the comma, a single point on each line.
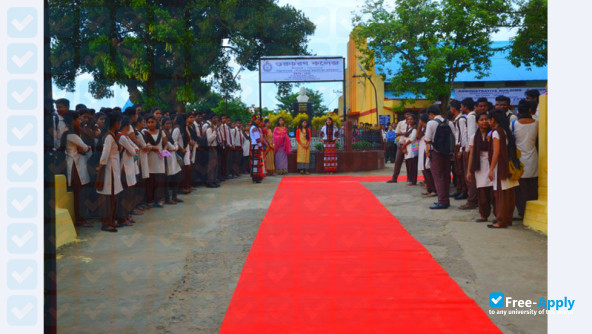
[22, 203]
[22, 22]
[22, 166]
[22, 238]
[22, 94]
[22, 274]
[22, 310]
[496, 299]
[22, 130]
[22, 58]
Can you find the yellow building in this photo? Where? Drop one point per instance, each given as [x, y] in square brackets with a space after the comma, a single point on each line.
[367, 105]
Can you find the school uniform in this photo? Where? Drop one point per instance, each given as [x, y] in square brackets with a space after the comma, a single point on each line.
[202, 152]
[185, 180]
[439, 163]
[173, 170]
[212, 169]
[503, 187]
[112, 181]
[77, 172]
[246, 152]
[460, 133]
[526, 138]
[144, 169]
[480, 170]
[125, 200]
[411, 157]
[156, 165]
[423, 163]
[401, 130]
[237, 151]
[472, 200]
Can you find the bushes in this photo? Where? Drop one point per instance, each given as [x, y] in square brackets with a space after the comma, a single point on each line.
[361, 145]
[273, 118]
[318, 122]
[299, 119]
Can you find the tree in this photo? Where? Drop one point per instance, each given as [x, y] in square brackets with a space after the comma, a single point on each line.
[168, 51]
[286, 101]
[209, 102]
[529, 46]
[433, 41]
[234, 108]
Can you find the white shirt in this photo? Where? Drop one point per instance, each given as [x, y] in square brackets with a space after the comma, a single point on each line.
[73, 158]
[61, 128]
[143, 160]
[178, 138]
[471, 128]
[236, 137]
[482, 175]
[526, 136]
[432, 126]
[211, 135]
[401, 127]
[246, 145]
[172, 164]
[410, 139]
[127, 160]
[511, 116]
[460, 131]
[255, 135]
[324, 132]
[155, 161]
[110, 158]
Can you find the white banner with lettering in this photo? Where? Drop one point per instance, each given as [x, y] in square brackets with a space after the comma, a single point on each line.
[301, 69]
[515, 94]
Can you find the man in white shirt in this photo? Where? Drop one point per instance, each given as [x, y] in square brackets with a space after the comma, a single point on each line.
[212, 167]
[503, 103]
[257, 168]
[229, 148]
[466, 106]
[237, 150]
[440, 160]
[460, 133]
[401, 129]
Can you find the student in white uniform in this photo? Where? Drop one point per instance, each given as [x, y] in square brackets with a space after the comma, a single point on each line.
[111, 182]
[173, 168]
[503, 144]
[246, 143]
[156, 164]
[526, 131]
[237, 153]
[478, 171]
[181, 138]
[466, 107]
[77, 172]
[144, 167]
[212, 168]
[460, 134]
[423, 162]
[410, 149]
[125, 200]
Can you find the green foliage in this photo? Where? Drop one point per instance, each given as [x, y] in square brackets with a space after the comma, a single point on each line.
[433, 41]
[361, 145]
[319, 121]
[298, 119]
[235, 108]
[319, 147]
[168, 51]
[273, 118]
[286, 101]
[529, 46]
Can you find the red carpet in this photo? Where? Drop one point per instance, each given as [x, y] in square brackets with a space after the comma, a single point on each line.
[329, 258]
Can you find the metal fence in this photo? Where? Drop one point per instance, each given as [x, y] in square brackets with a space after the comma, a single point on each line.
[317, 140]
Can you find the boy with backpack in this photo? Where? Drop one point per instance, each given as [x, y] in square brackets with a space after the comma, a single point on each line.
[440, 142]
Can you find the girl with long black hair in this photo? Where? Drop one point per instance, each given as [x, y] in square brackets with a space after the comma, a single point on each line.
[303, 137]
[156, 164]
[503, 150]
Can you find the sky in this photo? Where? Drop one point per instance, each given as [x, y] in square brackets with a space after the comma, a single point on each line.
[333, 22]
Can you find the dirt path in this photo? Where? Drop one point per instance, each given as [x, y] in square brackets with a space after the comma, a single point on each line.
[175, 271]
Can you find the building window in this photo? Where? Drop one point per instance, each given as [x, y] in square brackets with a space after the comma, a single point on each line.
[515, 83]
[477, 84]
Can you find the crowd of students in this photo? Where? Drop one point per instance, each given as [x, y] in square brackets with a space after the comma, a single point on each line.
[489, 153]
[133, 160]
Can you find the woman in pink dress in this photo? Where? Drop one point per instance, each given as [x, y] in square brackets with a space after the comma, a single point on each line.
[283, 147]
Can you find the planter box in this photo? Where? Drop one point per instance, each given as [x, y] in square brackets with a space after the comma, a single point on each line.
[353, 161]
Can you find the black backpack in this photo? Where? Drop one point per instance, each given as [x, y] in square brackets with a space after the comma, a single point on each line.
[443, 142]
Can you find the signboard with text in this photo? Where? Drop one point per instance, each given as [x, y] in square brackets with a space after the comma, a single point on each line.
[515, 94]
[302, 69]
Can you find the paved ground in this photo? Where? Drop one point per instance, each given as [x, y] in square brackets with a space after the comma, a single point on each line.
[175, 271]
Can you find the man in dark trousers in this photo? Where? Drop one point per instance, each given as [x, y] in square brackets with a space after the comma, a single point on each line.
[439, 138]
[400, 131]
